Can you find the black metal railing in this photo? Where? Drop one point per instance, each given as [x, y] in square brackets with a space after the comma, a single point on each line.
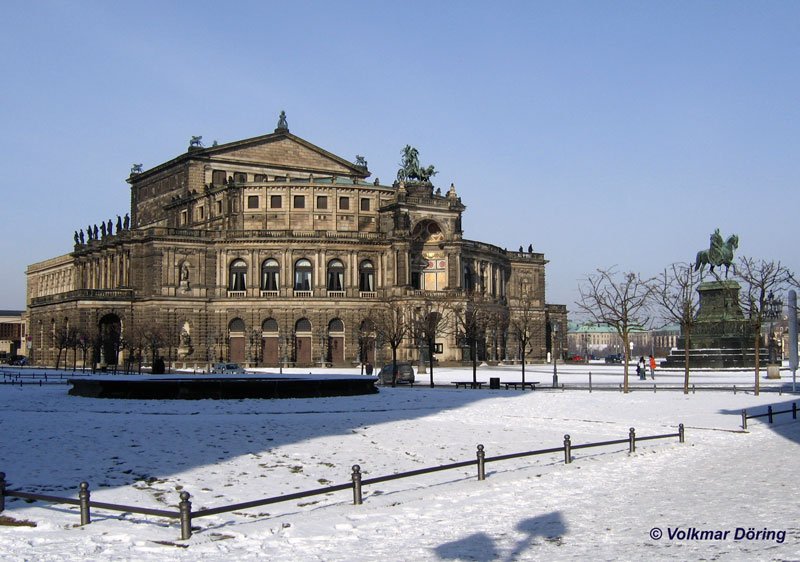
[768, 414]
[186, 515]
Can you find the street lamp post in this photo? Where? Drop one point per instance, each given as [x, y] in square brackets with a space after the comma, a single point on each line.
[555, 354]
[772, 311]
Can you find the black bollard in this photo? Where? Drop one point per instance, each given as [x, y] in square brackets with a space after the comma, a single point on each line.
[481, 463]
[632, 440]
[357, 498]
[769, 413]
[185, 507]
[681, 434]
[83, 497]
[744, 419]
[567, 449]
[2, 492]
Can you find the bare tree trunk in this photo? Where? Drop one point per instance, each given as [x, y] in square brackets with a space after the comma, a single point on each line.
[686, 346]
[626, 358]
[756, 388]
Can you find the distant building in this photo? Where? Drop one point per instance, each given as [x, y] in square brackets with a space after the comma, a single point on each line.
[271, 251]
[12, 334]
[601, 340]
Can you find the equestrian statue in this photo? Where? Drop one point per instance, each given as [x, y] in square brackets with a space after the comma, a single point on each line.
[719, 253]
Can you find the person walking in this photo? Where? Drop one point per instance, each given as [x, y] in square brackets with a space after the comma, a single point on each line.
[641, 370]
[652, 367]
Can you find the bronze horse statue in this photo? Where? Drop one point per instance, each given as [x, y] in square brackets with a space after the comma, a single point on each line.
[719, 253]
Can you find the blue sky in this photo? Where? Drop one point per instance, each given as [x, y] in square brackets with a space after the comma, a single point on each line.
[604, 133]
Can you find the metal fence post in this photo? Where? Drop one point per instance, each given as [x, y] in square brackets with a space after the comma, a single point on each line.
[681, 434]
[769, 413]
[185, 507]
[481, 463]
[83, 496]
[357, 498]
[567, 449]
[2, 491]
[744, 419]
[632, 440]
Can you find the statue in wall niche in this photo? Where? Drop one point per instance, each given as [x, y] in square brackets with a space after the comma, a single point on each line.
[185, 342]
[183, 276]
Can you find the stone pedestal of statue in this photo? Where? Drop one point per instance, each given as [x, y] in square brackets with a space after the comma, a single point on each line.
[721, 336]
[773, 371]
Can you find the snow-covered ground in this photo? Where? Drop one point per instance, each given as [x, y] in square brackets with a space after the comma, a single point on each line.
[605, 505]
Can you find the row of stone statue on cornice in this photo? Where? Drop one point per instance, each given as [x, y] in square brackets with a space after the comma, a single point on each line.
[106, 229]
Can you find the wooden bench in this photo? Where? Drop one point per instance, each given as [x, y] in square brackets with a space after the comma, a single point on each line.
[518, 384]
[469, 384]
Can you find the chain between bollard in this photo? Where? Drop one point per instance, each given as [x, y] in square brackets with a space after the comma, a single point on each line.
[567, 449]
[357, 498]
[481, 463]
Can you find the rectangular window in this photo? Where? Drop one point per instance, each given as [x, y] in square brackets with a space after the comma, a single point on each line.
[201, 213]
[275, 202]
[260, 177]
[322, 202]
[184, 217]
[239, 177]
[364, 204]
[252, 201]
[218, 177]
[219, 206]
[344, 203]
[299, 201]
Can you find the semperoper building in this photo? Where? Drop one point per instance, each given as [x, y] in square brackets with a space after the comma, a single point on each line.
[272, 251]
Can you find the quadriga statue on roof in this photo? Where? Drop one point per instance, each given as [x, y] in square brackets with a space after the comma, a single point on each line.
[718, 254]
[411, 171]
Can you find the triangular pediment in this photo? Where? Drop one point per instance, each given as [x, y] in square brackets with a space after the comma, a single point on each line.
[285, 151]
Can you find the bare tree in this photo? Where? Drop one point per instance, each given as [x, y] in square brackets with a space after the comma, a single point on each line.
[472, 317]
[391, 328]
[622, 302]
[760, 278]
[675, 291]
[525, 320]
[431, 320]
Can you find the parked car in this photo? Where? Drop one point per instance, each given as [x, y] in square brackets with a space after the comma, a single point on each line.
[227, 368]
[614, 358]
[405, 374]
[576, 358]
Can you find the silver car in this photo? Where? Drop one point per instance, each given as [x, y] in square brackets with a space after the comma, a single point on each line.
[405, 374]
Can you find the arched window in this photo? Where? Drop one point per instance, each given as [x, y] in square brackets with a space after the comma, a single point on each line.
[366, 276]
[302, 275]
[236, 326]
[336, 326]
[469, 278]
[302, 326]
[270, 280]
[335, 275]
[238, 276]
[270, 326]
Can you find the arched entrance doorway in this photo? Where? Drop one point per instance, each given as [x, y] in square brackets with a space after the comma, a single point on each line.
[236, 342]
[109, 330]
[302, 343]
[270, 350]
[336, 342]
[428, 261]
